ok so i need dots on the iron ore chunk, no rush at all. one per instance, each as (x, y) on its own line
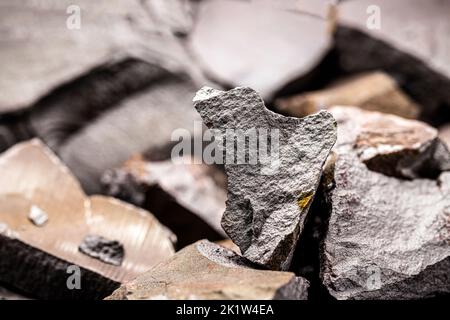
(207, 271)
(388, 238)
(108, 251)
(268, 195)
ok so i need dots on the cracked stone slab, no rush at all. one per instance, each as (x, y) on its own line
(388, 238)
(188, 197)
(36, 177)
(411, 43)
(207, 271)
(375, 91)
(250, 51)
(268, 201)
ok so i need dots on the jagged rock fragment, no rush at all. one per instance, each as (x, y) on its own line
(388, 238)
(406, 38)
(250, 51)
(38, 261)
(207, 271)
(268, 195)
(372, 91)
(188, 198)
(108, 251)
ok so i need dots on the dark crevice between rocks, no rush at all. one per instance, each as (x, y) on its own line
(359, 52)
(306, 260)
(68, 108)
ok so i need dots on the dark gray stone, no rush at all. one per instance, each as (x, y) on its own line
(268, 201)
(388, 238)
(108, 251)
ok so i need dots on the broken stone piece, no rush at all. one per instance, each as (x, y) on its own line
(268, 196)
(387, 238)
(108, 251)
(374, 91)
(250, 51)
(38, 216)
(188, 198)
(405, 38)
(36, 177)
(207, 271)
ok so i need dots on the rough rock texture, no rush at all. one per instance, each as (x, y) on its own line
(251, 51)
(188, 198)
(35, 177)
(142, 122)
(205, 270)
(375, 91)
(388, 238)
(108, 251)
(411, 44)
(269, 198)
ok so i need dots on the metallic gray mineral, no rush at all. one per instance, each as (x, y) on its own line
(108, 251)
(388, 237)
(270, 189)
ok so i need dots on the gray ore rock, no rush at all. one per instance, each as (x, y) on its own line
(388, 238)
(268, 199)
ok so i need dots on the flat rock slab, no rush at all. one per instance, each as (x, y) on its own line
(268, 200)
(388, 238)
(375, 91)
(35, 177)
(410, 42)
(207, 271)
(251, 51)
(188, 197)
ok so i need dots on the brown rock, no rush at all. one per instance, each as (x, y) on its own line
(35, 259)
(375, 91)
(188, 198)
(205, 270)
